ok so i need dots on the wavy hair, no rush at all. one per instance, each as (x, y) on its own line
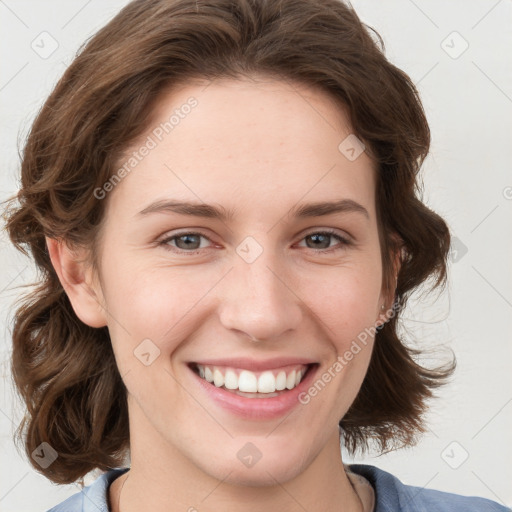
(64, 370)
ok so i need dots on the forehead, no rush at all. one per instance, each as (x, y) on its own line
(244, 142)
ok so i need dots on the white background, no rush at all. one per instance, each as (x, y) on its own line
(467, 179)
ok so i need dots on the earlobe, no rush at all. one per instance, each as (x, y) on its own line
(382, 317)
(77, 279)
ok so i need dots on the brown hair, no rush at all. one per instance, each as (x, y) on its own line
(65, 370)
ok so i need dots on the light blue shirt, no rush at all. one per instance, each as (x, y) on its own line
(391, 495)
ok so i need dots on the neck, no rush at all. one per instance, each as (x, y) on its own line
(163, 479)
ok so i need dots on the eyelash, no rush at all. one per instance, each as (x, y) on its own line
(344, 242)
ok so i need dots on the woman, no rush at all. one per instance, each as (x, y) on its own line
(221, 197)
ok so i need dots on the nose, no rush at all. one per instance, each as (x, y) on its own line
(259, 299)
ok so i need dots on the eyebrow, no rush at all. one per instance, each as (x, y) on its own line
(317, 209)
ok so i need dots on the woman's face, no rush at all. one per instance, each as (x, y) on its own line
(260, 153)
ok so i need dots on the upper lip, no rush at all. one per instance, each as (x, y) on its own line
(254, 365)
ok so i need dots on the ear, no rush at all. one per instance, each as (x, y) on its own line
(79, 282)
(387, 300)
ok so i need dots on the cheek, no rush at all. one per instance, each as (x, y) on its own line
(150, 301)
(347, 308)
(161, 304)
(347, 303)
(150, 315)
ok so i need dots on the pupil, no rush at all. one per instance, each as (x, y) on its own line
(317, 236)
(187, 237)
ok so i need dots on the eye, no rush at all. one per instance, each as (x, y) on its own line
(190, 242)
(321, 238)
(187, 242)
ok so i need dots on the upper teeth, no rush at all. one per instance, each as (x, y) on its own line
(252, 382)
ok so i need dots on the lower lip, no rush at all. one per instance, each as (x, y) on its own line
(256, 408)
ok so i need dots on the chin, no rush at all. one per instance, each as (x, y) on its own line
(262, 474)
(256, 463)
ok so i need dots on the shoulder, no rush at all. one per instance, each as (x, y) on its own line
(92, 498)
(392, 495)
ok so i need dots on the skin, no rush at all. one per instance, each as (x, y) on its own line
(258, 147)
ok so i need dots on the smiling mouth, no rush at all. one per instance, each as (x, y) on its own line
(249, 384)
